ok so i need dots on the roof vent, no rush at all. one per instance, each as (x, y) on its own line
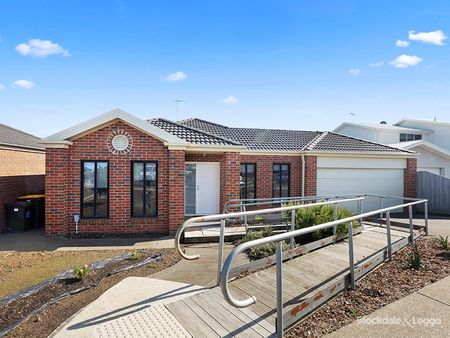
(383, 122)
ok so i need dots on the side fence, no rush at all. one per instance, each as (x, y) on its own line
(436, 189)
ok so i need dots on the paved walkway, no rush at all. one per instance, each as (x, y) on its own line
(425, 313)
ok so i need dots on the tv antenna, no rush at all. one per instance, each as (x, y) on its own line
(177, 103)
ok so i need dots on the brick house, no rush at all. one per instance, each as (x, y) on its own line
(122, 174)
(22, 167)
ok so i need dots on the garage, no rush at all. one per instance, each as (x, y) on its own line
(345, 175)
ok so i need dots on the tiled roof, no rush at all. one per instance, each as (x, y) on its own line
(14, 137)
(191, 135)
(290, 140)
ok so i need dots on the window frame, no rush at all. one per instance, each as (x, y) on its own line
(289, 179)
(95, 189)
(246, 183)
(144, 199)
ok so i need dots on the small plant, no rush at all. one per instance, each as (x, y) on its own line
(443, 243)
(264, 250)
(152, 266)
(354, 313)
(80, 273)
(259, 219)
(415, 258)
(136, 255)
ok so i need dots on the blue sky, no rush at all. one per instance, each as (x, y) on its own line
(273, 64)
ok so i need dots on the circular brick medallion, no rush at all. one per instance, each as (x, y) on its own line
(119, 142)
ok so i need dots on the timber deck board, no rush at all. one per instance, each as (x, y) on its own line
(207, 314)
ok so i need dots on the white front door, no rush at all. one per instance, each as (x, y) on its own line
(202, 188)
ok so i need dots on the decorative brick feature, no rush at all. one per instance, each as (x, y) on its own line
(56, 191)
(264, 173)
(15, 186)
(176, 189)
(410, 177)
(229, 177)
(310, 175)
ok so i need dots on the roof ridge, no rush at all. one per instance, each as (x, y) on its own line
(315, 140)
(371, 142)
(198, 119)
(195, 129)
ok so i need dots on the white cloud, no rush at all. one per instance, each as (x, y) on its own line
(2, 87)
(405, 61)
(230, 100)
(23, 84)
(402, 43)
(435, 38)
(354, 72)
(175, 77)
(41, 48)
(376, 64)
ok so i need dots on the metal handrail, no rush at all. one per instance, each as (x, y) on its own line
(280, 239)
(191, 222)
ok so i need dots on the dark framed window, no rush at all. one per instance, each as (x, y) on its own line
(144, 189)
(410, 137)
(94, 189)
(281, 180)
(248, 180)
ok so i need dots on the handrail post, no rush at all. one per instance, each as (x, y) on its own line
(426, 217)
(245, 218)
(292, 228)
(360, 206)
(381, 207)
(388, 233)
(411, 230)
(221, 245)
(335, 218)
(351, 258)
(280, 324)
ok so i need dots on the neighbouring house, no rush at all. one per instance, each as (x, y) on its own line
(123, 174)
(22, 167)
(430, 139)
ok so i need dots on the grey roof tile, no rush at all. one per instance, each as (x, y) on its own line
(14, 137)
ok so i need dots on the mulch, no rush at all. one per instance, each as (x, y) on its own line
(92, 286)
(390, 282)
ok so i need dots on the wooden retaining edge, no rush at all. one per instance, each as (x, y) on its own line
(267, 262)
(341, 283)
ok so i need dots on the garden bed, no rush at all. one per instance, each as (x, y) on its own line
(50, 305)
(390, 282)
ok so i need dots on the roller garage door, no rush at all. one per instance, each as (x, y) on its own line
(346, 175)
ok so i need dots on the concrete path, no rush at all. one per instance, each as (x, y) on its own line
(202, 271)
(437, 226)
(425, 313)
(132, 308)
(35, 240)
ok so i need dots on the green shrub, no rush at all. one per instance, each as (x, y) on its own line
(443, 243)
(264, 250)
(259, 219)
(136, 255)
(80, 273)
(415, 258)
(252, 235)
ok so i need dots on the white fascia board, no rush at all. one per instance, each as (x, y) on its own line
(429, 146)
(55, 143)
(271, 152)
(363, 154)
(116, 114)
(344, 124)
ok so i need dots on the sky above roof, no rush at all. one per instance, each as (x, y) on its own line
(268, 64)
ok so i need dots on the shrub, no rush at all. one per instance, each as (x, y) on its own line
(252, 235)
(259, 219)
(80, 273)
(443, 243)
(415, 258)
(264, 250)
(136, 255)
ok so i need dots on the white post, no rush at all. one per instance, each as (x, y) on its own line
(221, 245)
(292, 228)
(388, 233)
(279, 258)
(351, 258)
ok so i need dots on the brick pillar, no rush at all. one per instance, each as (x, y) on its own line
(176, 189)
(56, 170)
(409, 178)
(229, 177)
(310, 175)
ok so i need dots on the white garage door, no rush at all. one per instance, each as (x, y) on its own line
(348, 177)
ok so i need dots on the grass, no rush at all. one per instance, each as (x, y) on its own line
(19, 270)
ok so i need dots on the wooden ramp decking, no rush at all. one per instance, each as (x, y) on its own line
(306, 279)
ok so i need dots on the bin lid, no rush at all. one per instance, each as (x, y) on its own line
(27, 197)
(18, 204)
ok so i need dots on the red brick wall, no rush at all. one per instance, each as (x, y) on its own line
(229, 177)
(410, 177)
(176, 189)
(310, 175)
(264, 170)
(12, 187)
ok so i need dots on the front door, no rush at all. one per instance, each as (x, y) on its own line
(202, 188)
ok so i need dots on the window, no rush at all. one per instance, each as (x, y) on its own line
(144, 176)
(281, 178)
(248, 181)
(410, 137)
(94, 189)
